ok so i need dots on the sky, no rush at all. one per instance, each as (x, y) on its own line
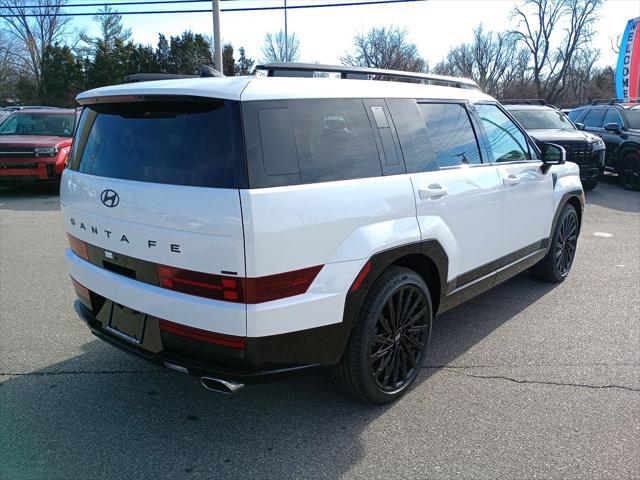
(326, 33)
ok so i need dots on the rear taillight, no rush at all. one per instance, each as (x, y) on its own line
(280, 285)
(239, 290)
(200, 284)
(202, 335)
(78, 247)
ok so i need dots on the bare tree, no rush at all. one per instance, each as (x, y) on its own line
(554, 31)
(8, 65)
(33, 34)
(580, 76)
(488, 59)
(275, 50)
(387, 48)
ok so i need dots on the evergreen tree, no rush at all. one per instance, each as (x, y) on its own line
(62, 76)
(228, 62)
(244, 65)
(162, 54)
(187, 53)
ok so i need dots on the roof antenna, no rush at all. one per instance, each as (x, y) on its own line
(207, 71)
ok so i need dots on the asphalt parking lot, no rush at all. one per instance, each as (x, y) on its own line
(526, 381)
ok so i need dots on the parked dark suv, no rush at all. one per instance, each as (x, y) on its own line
(617, 122)
(546, 124)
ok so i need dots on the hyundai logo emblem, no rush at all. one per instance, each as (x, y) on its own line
(109, 198)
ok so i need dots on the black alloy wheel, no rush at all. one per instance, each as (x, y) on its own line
(388, 342)
(630, 172)
(557, 263)
(567, 242)
(399, 339)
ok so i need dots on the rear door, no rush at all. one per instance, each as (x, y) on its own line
(158, 182)
(526, 190)
(458, 197)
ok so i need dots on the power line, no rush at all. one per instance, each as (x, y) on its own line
(107, 4)
(148, 2)
(155, 2)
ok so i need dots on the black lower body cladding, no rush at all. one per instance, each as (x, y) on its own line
(262, 359)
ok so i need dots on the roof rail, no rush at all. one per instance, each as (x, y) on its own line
(526, 101)
(307, 70)
(205, 71)
(613, 101)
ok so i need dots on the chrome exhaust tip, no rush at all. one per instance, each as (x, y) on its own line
(227, 387)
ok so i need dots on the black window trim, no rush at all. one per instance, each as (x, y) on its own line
(588, 111)
(533, 148)
(620, 116)
(484, 158)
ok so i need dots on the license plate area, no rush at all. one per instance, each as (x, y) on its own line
(127, 323)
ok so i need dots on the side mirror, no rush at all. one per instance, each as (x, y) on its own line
(580, 126)
(553, 154)
(612, 127)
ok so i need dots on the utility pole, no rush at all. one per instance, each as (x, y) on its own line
(286, 35)
(217, 48)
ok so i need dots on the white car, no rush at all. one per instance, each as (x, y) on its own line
(247, 228)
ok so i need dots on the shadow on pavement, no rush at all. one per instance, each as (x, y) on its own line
(143, 422)
(610, 194)
(35, 198)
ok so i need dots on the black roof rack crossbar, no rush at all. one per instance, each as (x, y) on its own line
(613, 101)
(205, 71)
(307, 69)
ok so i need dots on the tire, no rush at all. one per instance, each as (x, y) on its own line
(395, 348)
(629, 172)
(589, 184)
(556, 264)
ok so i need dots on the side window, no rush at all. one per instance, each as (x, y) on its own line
(506, 141)
(451, 134)
(334, 140)
(612, 116)
(575, 114)
(593, 119)
(278, 147)
(415, 143)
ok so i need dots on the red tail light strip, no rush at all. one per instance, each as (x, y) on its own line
(280, 285)
(226, 288)
(240, 290)
(78, 247)
(200, 284)
(202, 335)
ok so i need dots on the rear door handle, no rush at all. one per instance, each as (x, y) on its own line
(432, 192)
(511, 180)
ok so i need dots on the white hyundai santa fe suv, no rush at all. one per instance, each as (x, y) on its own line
(246, 228)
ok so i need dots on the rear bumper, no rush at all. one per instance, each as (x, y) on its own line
(185, 362)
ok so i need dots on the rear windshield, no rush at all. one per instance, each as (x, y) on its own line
(56, 125)
(197, 143)
(542, 119)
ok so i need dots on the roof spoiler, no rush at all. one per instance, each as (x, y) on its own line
(346, 72)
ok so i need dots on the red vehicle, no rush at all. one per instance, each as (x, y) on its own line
(34, 145)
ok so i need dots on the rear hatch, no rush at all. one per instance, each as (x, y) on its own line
(154, 184)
